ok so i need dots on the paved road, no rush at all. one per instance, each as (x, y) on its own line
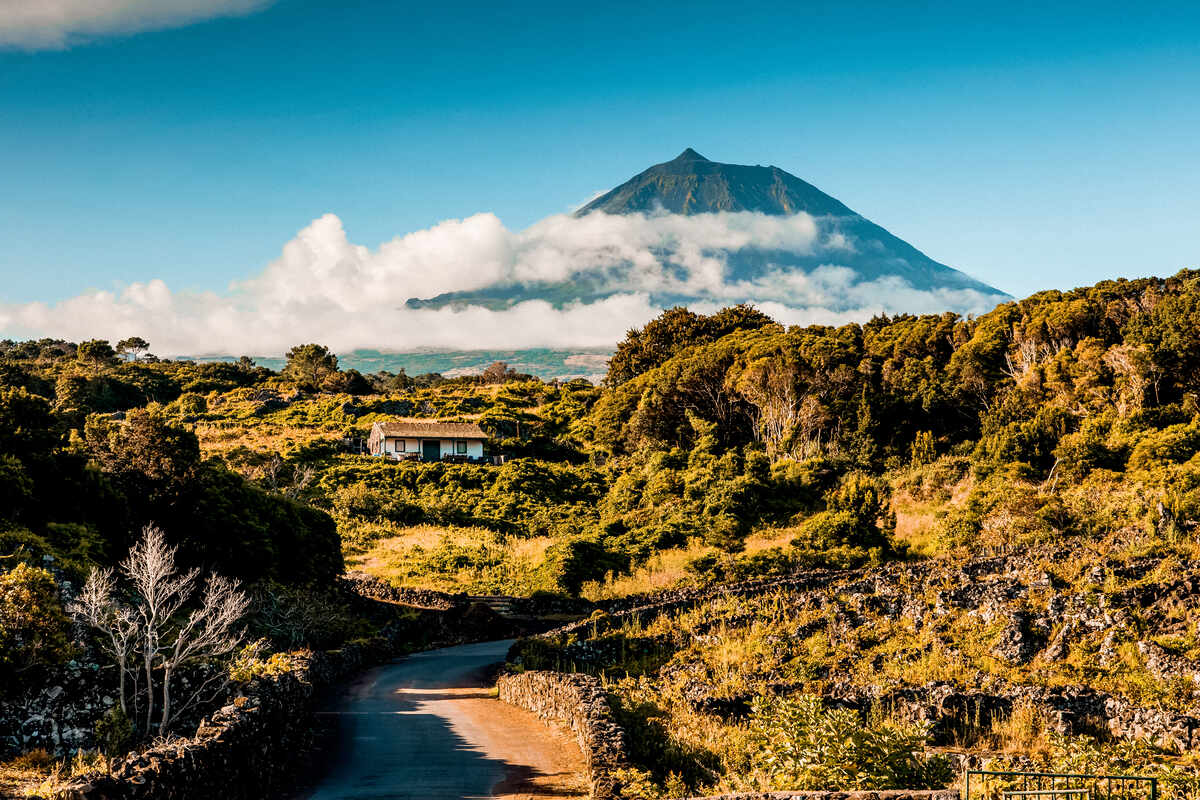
(427, 727)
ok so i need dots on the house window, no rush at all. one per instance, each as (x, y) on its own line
(460, 447)
(399, 445)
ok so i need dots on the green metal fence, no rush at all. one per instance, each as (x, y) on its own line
(980, 784)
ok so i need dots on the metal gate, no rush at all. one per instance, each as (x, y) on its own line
(980, 784)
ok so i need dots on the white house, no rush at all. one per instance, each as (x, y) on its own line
(426, 440)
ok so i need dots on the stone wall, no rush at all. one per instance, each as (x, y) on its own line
(995, 589)
(643, 608)
(57, 709)
(248, 749)
(243, 751)
(525, 608)
(880, 794)
(578, 701)
(369, 586)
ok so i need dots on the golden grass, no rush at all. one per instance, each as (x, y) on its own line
(664, 570)
(37, 773)
(218, 438)
(667, 569)
(915, 524)
(505, 564)
(1026, 731)
(916, 519)
(23, 774)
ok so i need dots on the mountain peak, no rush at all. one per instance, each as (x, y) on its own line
(692, 184)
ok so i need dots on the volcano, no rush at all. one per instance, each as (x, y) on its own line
(719, 234)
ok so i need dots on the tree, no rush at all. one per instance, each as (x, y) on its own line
(400, 381)
(133, 347)
(157, 633)
(27, 427)
(1134, 370)
(498, 372)
(148, 456)
(672, 331)
(310, 364)
(286, 479)
(97, 352)
(349, 382)
(770, 386)
(117, 623)
(71, 393)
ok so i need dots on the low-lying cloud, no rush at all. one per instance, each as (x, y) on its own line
(55, 24)
(326, 288)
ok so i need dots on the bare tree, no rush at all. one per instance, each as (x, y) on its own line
(1135, 369)
(156, 630)
(209, 632)
(97, 606)
(161, 593)
(284, 479)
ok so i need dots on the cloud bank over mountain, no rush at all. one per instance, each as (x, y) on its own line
(55, 24)
(619, 271)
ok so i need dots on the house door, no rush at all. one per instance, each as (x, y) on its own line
(431, 450)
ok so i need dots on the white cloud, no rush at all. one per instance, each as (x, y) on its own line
(325, 288)
(54, 24)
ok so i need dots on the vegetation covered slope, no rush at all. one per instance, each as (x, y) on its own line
(1064, 414)
(1063, 429)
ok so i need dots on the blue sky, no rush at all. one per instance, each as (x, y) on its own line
(1030, 144)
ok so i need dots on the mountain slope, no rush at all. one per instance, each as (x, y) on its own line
(707, 232)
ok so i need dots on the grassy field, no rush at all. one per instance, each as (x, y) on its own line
(448, 559)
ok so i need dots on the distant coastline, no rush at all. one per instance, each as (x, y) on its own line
(544, 363)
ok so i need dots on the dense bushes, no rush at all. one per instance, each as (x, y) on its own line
(80, 501)
(33, 625)
(1067, 413)
(855, 527)
(1047, 399)
(523, 496)
(797, 743)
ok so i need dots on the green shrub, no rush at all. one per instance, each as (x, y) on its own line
(114, 733)
(33, 625)
(251, 662)
(796, 744)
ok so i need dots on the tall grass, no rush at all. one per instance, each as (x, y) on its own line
(668, 569)
(453, 559)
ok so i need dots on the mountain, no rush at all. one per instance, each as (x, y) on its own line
(772, 236)
(691, 184)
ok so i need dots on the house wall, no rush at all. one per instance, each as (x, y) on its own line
(390, 445)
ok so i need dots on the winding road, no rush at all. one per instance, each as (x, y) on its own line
(429, 727)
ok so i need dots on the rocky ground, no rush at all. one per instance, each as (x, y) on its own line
(1077, 642)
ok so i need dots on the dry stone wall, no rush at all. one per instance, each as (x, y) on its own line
(888, 794)
(995, 589)
(243, 751)
(580, 702)
(249, 749)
